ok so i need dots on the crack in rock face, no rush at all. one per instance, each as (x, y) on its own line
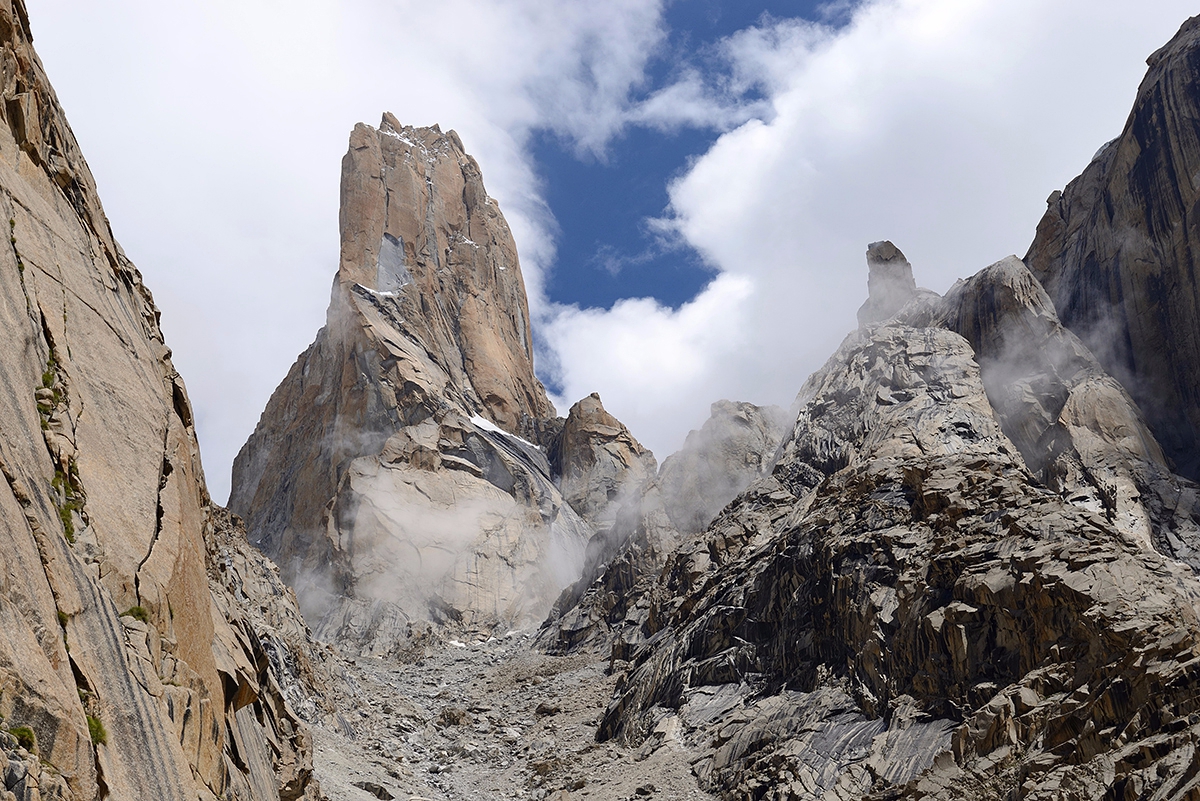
(962, 564)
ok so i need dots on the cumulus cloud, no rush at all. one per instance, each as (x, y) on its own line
(667, 353)
(939, 124)
(216, 130)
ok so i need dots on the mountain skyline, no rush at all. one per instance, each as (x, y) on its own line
(963, 563)
(780, 146)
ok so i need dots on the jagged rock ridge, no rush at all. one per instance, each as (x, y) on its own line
(903, 607)
(127, 669)
(970, 570)
(410, 469)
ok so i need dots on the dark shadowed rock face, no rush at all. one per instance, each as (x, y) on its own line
(138, 658)
(1117, 251)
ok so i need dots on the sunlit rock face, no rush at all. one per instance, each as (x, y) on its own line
(401, 474)
(418, 225)
(1117, 251)
(127, 668)
(598, 461)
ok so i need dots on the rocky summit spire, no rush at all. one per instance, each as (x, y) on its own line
(418, 226)
(890, 283)
(394, 474)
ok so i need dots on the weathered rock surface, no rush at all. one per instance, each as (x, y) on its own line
(1079, 431)
(1117, 249)
(608, 607)
(417, 223)
(124, 671)
(963, 567)
(394, 474)
(262, 610)
(901, 609)
(599, 462)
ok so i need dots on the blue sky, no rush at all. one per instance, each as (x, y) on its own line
(605, 248)
(606, 251)
(767, 150)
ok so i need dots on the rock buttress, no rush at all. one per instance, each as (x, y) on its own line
(112, 661)
(1117, 251)
(937, 584)
(901, 609)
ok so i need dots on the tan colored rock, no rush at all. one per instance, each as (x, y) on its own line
(416, 221)
(388, 474)
(600, 464)
(103, 506)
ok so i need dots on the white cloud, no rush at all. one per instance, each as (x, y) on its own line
(659, 354)
(691, 101)
(939, 124)
(216, 130)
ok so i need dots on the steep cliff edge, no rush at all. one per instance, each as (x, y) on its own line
(1117, 251)
(408, 469)
(124, 672)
